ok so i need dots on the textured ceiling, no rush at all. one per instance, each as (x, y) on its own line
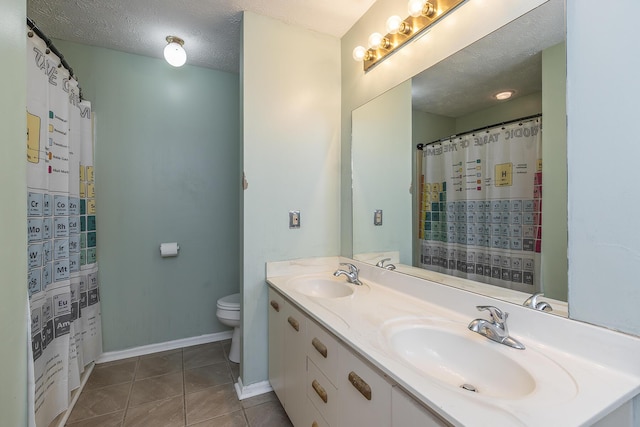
(507, 59)
(210, 28)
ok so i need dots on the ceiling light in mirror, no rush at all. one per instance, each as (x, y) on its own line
(504, 95)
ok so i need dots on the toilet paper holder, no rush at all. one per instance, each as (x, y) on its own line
(169, 249)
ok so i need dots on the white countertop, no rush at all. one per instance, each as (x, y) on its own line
(560, 308)
(581, 372)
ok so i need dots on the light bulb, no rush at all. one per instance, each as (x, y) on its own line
(415, 7)
(396, 25)
(374, 40)
(393, 24)
(359, 53)
(174, 53)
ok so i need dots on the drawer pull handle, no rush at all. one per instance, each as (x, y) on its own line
(320, 390)
(360, 385)
(314, 424)
(322, 349)
(275, 305)
(294, 323)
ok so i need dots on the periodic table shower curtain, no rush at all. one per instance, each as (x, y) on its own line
(480, 205)
(64, 300)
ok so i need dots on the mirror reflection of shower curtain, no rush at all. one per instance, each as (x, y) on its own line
(62, 278)
(480, 205)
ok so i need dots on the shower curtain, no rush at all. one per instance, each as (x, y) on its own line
(480, 205)
(64, 299)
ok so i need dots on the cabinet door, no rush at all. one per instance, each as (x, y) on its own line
(406, 412)
(276, 343)
(365, 395)
(295, 364)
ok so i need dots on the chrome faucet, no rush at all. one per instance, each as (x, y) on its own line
(352, 274)
(388, 266)
(532, 302)
(496, 328)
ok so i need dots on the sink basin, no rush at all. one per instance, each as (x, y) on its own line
(322, 286)
(459, 359)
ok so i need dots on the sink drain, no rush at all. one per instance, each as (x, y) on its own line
(469, 387)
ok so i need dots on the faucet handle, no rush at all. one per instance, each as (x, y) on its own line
(382, 261)
(496, 314)
(533, 302)
(352, 267)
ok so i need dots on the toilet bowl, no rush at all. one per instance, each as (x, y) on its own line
(228, 314)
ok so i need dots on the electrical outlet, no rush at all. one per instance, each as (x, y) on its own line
(294, 219)
(377, 217)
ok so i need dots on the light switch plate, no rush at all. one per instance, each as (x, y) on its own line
(377, 217)
(294, 219)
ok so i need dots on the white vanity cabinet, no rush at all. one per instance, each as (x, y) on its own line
(405, 411)
(287, 358)
(295, 364)
(323, 395)
(321, 382)
(276, 343)
(322, 372)
(365, 394)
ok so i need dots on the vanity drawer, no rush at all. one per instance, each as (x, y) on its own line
(322, 349)
(314, 419)
(322, 394)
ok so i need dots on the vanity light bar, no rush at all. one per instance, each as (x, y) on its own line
(409, 28)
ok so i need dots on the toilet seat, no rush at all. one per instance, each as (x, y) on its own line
(229, 303)
(228, 313)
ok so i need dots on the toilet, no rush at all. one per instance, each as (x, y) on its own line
(228, 313)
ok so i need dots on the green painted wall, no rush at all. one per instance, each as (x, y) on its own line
(381, 172)
(13, 233)
(167, 155)
(291, 143)
(554, 176)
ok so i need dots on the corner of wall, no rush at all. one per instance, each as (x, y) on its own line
(291, 157)
(13, 192)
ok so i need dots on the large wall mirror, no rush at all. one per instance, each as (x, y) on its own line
(455, 96)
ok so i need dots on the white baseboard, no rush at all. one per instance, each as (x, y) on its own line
(110, 356)
(245, 392)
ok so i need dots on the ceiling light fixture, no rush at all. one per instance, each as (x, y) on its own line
(504, 95)
(422, 14)
(174, 53)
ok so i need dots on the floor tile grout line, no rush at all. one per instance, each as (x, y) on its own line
(184, 389)
(82, 420)
(133, 381)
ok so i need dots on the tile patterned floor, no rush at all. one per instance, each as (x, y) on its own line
(192, 386)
